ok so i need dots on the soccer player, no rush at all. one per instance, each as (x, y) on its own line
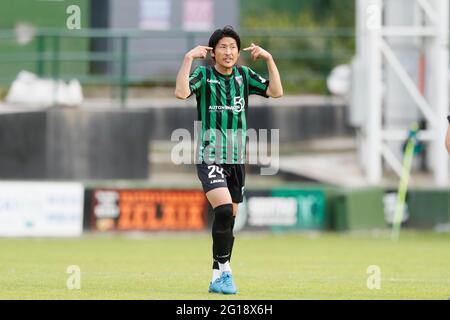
(222, 94)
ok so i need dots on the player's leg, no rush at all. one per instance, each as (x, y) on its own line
(222, 233)
(216, 270)
(236, 181)
(235, 175)
(216, 198)
(235, 209)
(215, 186)
(215, 266)
(235, 184)
(220, 200)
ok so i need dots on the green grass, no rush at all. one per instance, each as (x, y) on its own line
(285, 266)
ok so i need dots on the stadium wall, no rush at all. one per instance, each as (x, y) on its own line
(429, 208)
(106, 143)
(74, 144)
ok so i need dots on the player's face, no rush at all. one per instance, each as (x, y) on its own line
(226, 52)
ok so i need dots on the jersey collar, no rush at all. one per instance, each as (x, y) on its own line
(226, 76)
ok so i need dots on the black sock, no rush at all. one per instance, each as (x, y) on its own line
(222, 233)
(215, 262)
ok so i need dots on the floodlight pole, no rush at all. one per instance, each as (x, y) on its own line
(439, 88)
(375, 55)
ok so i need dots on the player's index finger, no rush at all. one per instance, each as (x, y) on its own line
(208, 48)
(248, 48)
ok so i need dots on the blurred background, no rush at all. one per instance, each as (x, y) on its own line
(87, 112)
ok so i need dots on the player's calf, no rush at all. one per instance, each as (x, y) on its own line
(222, 232)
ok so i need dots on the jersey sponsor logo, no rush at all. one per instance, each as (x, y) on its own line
(216, 181)
(213, 81)
(239, 80)
(239, 105)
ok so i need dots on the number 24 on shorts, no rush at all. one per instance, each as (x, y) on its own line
(217, 169)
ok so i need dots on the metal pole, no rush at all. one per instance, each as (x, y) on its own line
(373, 13)
(439, 89)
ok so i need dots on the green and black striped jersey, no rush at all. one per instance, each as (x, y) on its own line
(222, 105)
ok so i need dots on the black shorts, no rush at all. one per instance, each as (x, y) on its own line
(217, 175)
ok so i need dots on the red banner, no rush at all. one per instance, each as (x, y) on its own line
(149, 210)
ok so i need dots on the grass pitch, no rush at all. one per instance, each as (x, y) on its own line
(265, 266)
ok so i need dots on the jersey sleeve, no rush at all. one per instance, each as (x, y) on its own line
(196, 81)
(257, 84)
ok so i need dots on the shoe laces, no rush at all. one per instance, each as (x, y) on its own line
(227, 279)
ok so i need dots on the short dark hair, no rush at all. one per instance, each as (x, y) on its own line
(226, 31)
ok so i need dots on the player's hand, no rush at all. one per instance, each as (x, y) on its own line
(198, 52)
(258, 52)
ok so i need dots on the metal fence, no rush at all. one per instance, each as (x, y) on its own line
(105, 57)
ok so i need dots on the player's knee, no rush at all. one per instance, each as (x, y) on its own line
(223, 218)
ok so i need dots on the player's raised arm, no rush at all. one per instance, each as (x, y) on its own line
(182, 89)
(275, 89)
